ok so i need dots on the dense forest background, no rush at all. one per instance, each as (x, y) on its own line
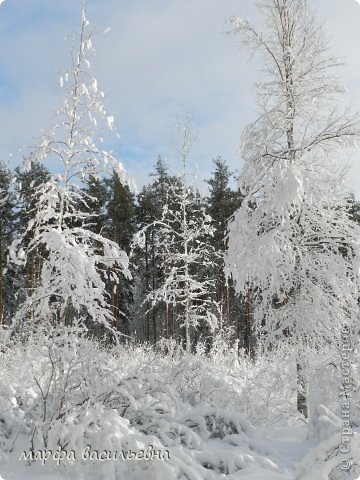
(119, 214)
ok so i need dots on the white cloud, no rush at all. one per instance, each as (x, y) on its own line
(160, 58)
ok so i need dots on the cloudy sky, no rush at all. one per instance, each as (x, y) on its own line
(161, 58)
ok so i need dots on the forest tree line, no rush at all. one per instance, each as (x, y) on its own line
(119, 214)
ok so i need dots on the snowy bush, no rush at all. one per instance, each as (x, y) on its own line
(200, 408)
(206, 410)
(327, 462)
(133, 398)
(326, 397)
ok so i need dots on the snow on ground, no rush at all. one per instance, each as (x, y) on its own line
(290, 442)
(232, 454)
(218, 416)
(17, 471)
(287, 444)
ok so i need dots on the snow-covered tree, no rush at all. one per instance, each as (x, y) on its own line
(149, 267)
(292, 240)
(77, 260)
(181, 242)
(6, 220)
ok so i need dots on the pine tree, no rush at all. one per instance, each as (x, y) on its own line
(147, 213)
(221, 205)
(120, 228)
(6, 225)
(96, 204)
(24, 278)
(150, 269)
(27, 179)
(161, 183)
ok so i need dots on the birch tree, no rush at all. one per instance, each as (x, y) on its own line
(292, 240)
(77, 259)
(182, 244)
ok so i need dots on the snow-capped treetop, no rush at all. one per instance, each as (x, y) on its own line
(74, 143)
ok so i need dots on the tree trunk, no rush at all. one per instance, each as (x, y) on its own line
(302, 406)
(248, 344)
(153, 289)
(166, 321)
(166, 332)
(1, 272)
(223, 300)
(62, 379)
(147, 315)
(114, 304)
(31, 274)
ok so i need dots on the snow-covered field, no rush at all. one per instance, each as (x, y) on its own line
(192, 416)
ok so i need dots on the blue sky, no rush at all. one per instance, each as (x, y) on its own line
(161, 58)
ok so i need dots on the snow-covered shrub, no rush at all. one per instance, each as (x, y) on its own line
(324, 401)
(17, 394)
(72, 393)
(323, 423)
(327, 462)
(355, 377)
(327, 392)
(262, 391)
(7, 404)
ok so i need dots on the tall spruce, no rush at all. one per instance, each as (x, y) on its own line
(96, 203)
(25, 277)
(150, 268)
